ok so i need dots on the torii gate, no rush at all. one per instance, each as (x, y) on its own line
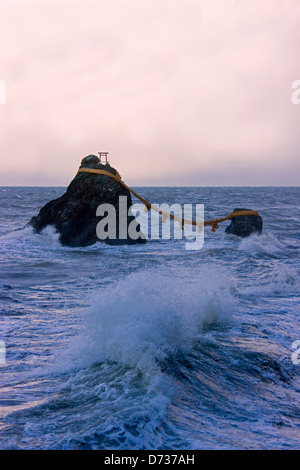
(103, 154)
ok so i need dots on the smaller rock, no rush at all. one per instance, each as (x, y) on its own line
(244, 225)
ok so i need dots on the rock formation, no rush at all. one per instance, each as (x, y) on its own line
(244, 225)
(74, 213)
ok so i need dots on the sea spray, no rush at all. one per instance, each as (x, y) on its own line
(149, 316)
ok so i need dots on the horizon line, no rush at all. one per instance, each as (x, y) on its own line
(170, 186)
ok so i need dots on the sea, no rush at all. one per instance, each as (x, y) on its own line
(152, 346)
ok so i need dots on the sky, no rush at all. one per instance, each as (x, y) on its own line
(179, 92)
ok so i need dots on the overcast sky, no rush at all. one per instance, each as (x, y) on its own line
(179, 92)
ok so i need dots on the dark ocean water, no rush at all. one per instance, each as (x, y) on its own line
(152, 346)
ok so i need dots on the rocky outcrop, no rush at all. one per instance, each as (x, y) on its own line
(74, 213)
(244, 225)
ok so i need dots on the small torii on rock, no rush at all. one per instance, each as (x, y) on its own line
(104, 155)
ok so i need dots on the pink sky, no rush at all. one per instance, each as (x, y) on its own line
(179, 92)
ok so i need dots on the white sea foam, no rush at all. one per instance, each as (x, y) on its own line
(49, 237)
(149, 316)
(262, 243)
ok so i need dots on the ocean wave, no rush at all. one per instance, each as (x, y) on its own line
(281, 280)
(265, 243)
(149, 316)
(26, 236)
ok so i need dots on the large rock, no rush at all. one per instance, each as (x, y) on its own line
(74, 213)
(244, 225)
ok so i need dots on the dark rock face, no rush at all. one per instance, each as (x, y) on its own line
(74, 213)
(244, 225)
